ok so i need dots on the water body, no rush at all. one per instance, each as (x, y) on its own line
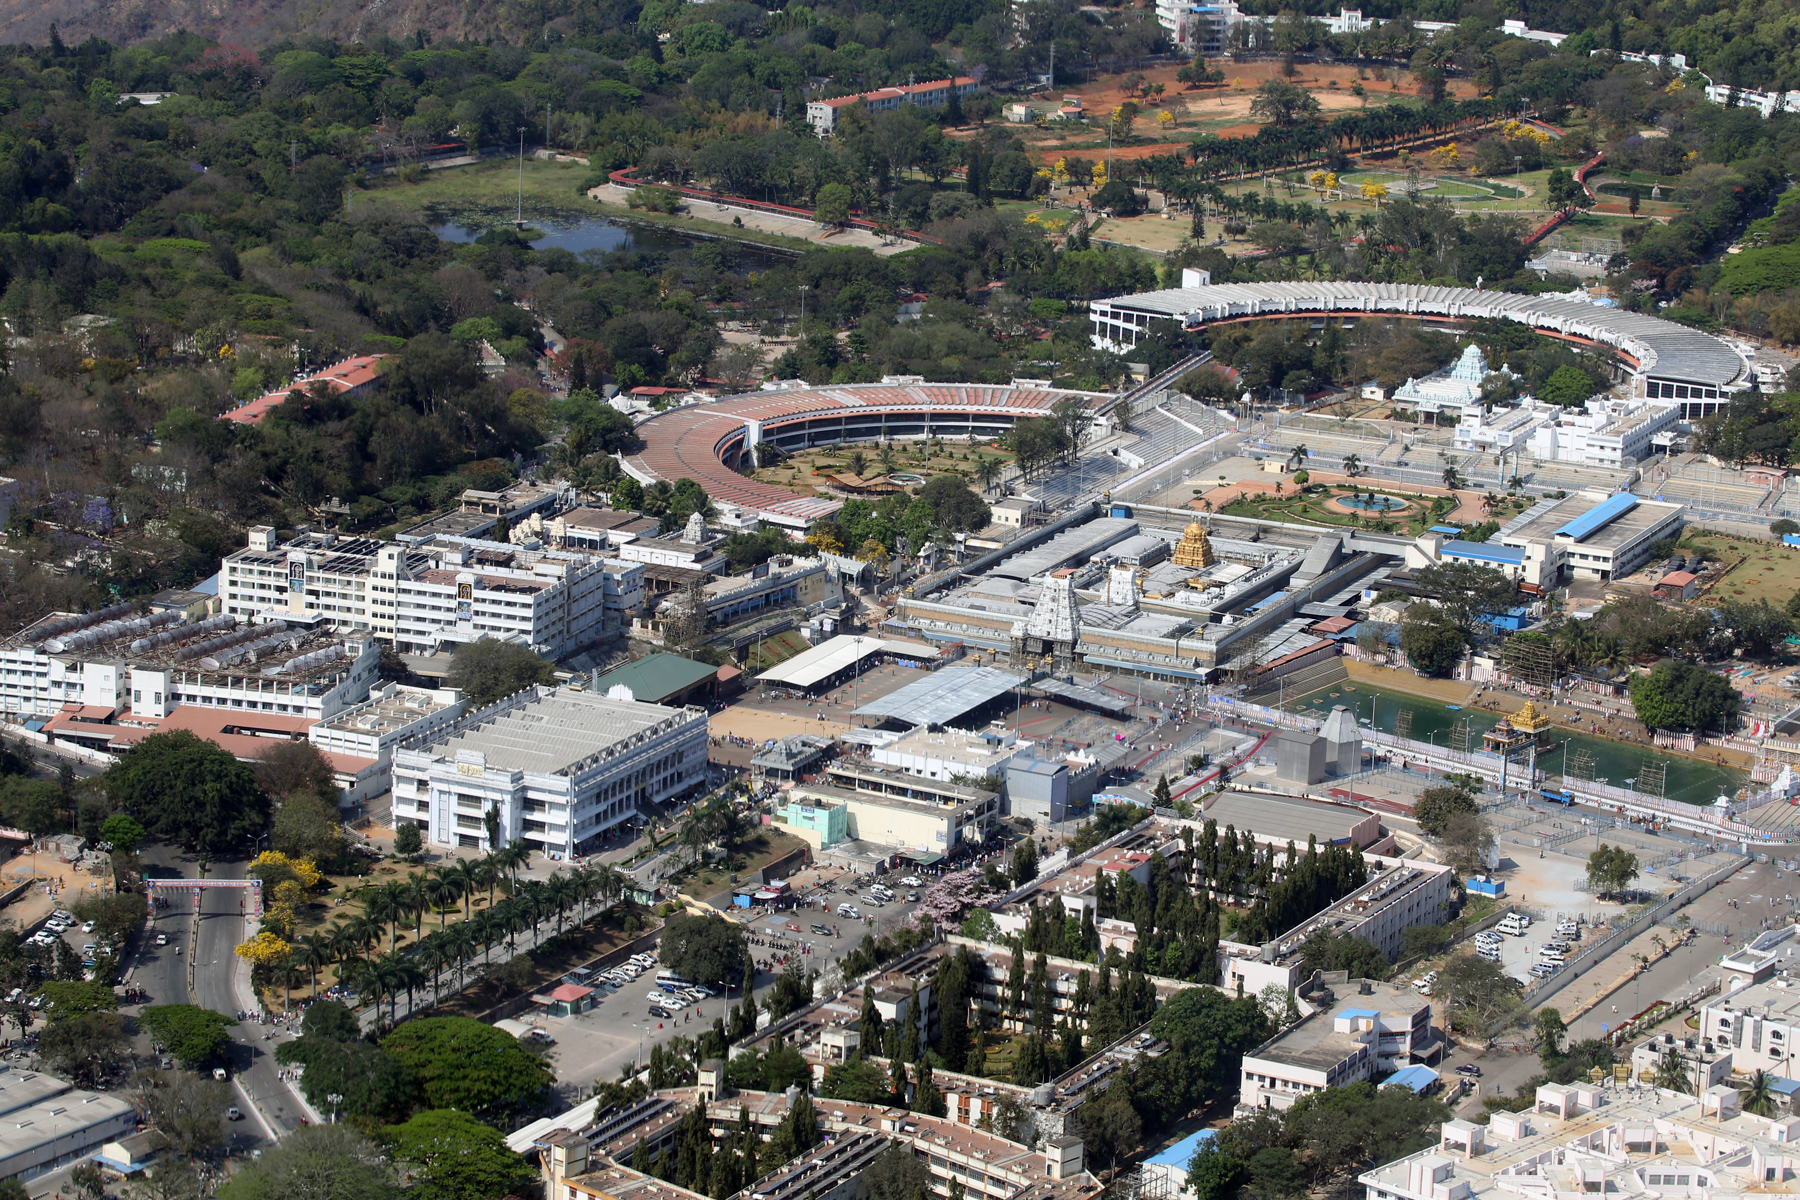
(1369, 503)
(600, 233)
(1689, 779)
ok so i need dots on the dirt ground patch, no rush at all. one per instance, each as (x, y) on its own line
(759, 725)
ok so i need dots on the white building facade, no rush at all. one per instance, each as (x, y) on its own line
(556, 768)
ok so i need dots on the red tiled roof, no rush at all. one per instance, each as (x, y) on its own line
(340, 377)
(687, 442)
(1677, 579)
(936, 85)
(568, 991)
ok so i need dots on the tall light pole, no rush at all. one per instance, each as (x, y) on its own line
(334, 1100)
(1519, 192)
(855, 673)
(519, 219)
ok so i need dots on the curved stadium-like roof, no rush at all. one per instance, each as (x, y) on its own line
(1655, 347)
(704, 442)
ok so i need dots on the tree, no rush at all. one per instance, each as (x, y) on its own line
(1783, 526)
(288, 769)
(1753, 629)
(1467, 843)
(88, 1046)
(188, 791)
(1109, 1123)
(1478, 992)
(124, 834)
(705, 949)
(1470, 595)
(1550, 1031)
(490, 670)
(954, 505)
(192, 1034)
(315, 1162)
(308, 826)
(452, 1156)
(1024, 862)
(1679, 695)
(463, 1064)
(407, 840)
(832, 205)
(1760, 1096)
(368, 1082)
(1568, 386)
(1213, 1174)
(1611, 869)
(896, 1174)
(857, 1080)
(1431, 639)
(1437, 805)
(1279, 102)
(190, 1111)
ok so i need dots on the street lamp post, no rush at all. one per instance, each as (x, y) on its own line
(519, 218)
(856, 674)
(1518, 192)
(334, 1100)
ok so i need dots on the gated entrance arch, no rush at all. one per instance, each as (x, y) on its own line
(199, 885)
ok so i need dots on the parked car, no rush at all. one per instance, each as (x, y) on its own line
(162, 939)
(1469, 1069)
(912, 897)
(913, 881)
(233, 1114)
(657, 1010)
(821, 930)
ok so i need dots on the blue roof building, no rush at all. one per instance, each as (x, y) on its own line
(1419, 1079)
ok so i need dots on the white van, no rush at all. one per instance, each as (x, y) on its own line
(881, 893)
(1553, 957)
(1514, 924)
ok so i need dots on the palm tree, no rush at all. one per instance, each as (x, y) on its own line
(417, 902)
(1489, 503)
(434, 956)
(468, 877)
(859, 463)
(442, 889)
(1452, 479)
(406, 974)
(1352, 464)
(312, 952)
(1759, 1095)
(459, 942)
(1297, 456)
(488, 872)
(884, 454)
(1671, 1073)
(987, 472)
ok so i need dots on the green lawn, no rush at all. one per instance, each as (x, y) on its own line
(491, 190)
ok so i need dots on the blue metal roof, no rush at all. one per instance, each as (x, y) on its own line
(1599, 516)
(1484, 552)
(1416, 1078)
(1182, 1152)
(1266, 601)
(1358, 1012)
(1449, 529)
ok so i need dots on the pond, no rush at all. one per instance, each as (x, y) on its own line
(1372, 503)
(609, 236)
(1688, 779)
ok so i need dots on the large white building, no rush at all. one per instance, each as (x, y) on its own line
(113, 660)
(45, 1125)
(1369, 1030)
(440, 592)
(1607, 431)
(1643, 1144)
(559, 768)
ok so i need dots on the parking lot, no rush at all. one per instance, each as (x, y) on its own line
(620, 1029)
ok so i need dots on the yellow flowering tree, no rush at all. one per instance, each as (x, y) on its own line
(304, 869)
(825, 541)
(1375, 193)
(264, 950)
(1059, 173)
(1165, 118)
(1099, 175)
(1444, 158)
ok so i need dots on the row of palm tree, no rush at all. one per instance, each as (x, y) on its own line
(351, 943)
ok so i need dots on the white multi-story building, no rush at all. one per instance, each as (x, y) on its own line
(1643, 1144)
(368, 732)
(1369, 1031)
(558, 768)
(109, 661)
(443, 591)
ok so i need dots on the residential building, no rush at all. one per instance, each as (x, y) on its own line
(98, 664)
(1400, 893)
(435, 593)
(351, 377)
(1642, 1144)
(1704, 1063)
(557, 767)
(368, 732)
(783, 582)
(950, 753)
(1364, 1030)
(823, 114)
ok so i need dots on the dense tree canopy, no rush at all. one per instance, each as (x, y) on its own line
(189, 791)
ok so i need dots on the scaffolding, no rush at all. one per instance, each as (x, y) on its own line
(1652, 778)
(1580, 765)
(1403, 723)
(1460, 735)
(1532, 661)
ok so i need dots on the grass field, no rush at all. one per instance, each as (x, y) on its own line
(1763, 572)
(491, 190)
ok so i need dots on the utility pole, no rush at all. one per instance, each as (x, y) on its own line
(519, 220)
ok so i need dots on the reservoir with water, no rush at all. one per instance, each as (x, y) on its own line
(1689, 780)
(609, 236)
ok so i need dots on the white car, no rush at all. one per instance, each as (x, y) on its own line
(87, 927)
(64, 915)
(913, 881)
(162, 939)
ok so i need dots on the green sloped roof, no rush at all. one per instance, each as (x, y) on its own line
(650, 679)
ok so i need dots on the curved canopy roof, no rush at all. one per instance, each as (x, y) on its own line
(1660, 348)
